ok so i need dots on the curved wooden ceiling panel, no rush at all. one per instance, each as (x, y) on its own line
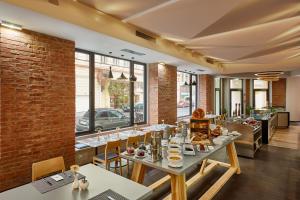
(235, 32)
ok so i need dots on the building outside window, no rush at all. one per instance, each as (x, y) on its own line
(218, 96)
(236, 97)
(82, 61)
(116, 101)
(186, 93)
(260, 93)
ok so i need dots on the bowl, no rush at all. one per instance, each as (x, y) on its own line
(175, 160)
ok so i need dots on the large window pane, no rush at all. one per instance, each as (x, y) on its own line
(260, 99)
(236, 101)
(82, 91)
(260, 84)
(139, 95)
(183, 94)
(112, 98)
(236, 84)
(194, 92)
(218, 98)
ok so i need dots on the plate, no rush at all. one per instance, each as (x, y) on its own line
(140, 157)
(129, 154)
(175, 165)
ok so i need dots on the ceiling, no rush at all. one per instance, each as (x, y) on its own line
(242, 35)
(91, 40)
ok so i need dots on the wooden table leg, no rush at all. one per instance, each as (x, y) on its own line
(138, 172)
(178, 187)
(232, 155)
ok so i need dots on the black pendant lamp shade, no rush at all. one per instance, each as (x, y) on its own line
(110, 74)
(132, 78)
(185, 83)
(194, 83)
(122, 77)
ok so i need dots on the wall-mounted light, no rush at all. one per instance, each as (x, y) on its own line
(11, 25)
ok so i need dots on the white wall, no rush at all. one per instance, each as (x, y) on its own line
(293, 98)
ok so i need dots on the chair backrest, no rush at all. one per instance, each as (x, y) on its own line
(46, 167)
(133, 141)
(147, 137)
(113, 147)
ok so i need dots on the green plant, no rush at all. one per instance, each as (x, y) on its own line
(118, 91)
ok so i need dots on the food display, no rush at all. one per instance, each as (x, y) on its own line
(198, 114)
(199, 129)
(140, 153)
(252, 122)
(216, 132)
(130, 150)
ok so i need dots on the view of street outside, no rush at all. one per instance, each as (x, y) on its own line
(112, 95)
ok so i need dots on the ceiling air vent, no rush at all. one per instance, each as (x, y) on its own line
(200, 70)
(144, 36)
(133, 52)
(209, 60)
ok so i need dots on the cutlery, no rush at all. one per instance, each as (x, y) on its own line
(110, 198)
(48, 182)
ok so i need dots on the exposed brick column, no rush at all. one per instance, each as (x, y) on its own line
(162, 93)
(279, 92)
(37, 103)
(206, 92)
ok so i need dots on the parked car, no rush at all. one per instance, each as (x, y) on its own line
(139, 107)
(183, 104)
(105, 119)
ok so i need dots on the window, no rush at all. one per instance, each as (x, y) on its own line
(82, 66)
(186, 93)
(117, 101)
(139, 93)
(236, 97)
(218, 96)
(261, 93)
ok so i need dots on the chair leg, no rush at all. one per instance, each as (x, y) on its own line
(121, 171)
(116, 164)
(128, 168)
(107, 165)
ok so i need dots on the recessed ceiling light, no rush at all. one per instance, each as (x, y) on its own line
(11, 25)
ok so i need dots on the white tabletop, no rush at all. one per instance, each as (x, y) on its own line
(100, 181)
(102, 140)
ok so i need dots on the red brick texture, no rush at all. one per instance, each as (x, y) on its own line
(279, 93)
(37, 103)
(162, 94)
(206, 92)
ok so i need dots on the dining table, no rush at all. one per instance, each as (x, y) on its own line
(100, 181)
(177, 176)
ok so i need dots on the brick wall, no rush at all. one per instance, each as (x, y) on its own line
(206, 92)
(162, 93)
(279, 93)
(37, 103)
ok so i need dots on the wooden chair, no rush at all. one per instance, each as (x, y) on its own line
(147, 137)
(111, 154)
(47, 167)
(132, 141)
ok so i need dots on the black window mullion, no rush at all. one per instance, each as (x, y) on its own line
(191, 95)
(92, 93)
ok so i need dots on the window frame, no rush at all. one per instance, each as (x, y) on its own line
(230, 97)
(92, 90)
(220, 97)
(260, 89)
(190, 93)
